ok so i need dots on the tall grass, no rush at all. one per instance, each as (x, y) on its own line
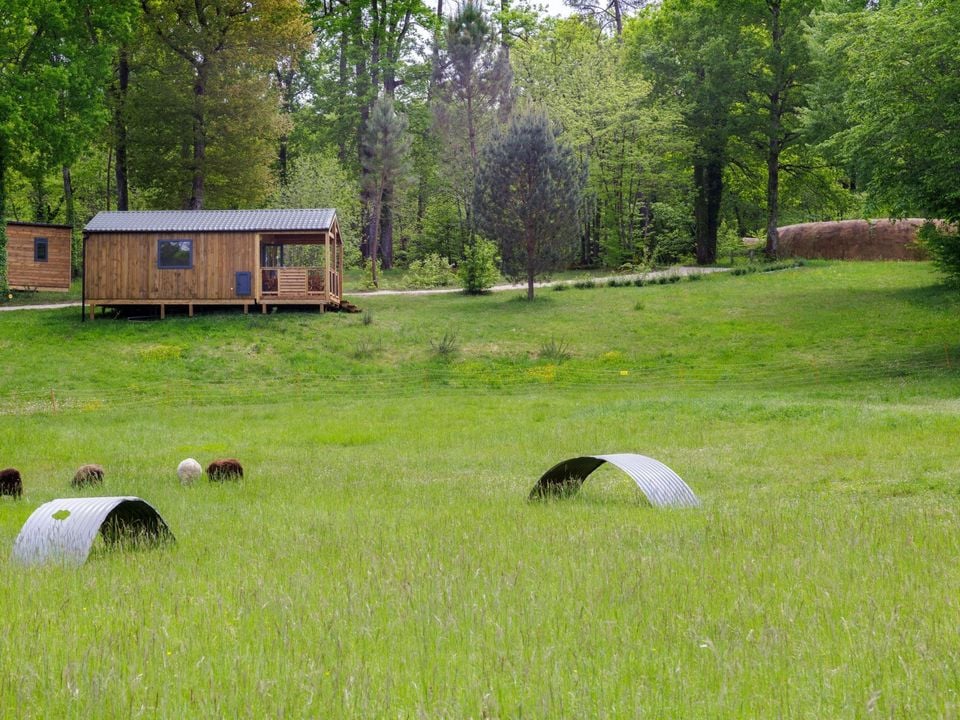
(380, 559)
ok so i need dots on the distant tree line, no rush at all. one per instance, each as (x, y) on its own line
(689, 123)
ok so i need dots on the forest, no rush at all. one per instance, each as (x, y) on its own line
(692, 123)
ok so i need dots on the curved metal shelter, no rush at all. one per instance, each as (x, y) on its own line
(662, 486)
(64, 530)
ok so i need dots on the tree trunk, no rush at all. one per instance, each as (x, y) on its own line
(4, 287)
(531, 264)
(342, 77)
(108, 193)
(198, 167)
(773, 196)
(71, 221)
(471, 130)
(120, 122)
(774, 130)
(68, 195)
(708, 180)
(375, 232)
(386, 225)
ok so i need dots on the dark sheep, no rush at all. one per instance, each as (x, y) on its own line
(88, 475)
(10, 482)
(227, 469)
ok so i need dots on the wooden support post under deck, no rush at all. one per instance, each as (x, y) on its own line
(93, 306)
(246, 308)
(190, 310)
(163, 311)
(263, 308)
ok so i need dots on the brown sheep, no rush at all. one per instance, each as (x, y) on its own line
(10, 482)
(87, 475)
(227, 469)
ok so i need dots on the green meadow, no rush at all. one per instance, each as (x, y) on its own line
(381, 559)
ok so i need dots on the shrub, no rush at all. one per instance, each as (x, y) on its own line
(365, 349)
(447, 346)
(478, 271)
(432, 271)
(555, 351)
(943, 244)
(367, 282)
(443, 231)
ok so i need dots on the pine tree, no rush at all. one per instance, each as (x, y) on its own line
(527, 196)
(386, 164)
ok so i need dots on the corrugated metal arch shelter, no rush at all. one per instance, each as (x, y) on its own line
(64, 530)
(662, 486)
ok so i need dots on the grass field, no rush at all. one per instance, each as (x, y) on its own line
(381, 559)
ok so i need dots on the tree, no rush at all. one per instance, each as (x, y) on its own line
(609, 14)
(472, 81)
(902, 106)
(527, 197)
(690, 49)
(902, 110)
(629, 142)
(209, 66)
(780, 79)
(472, 62)
(386, 161)
(366, 48)
(53, 63)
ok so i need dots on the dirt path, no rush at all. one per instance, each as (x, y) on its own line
(653, 275)
(445, 291)
(47, 306)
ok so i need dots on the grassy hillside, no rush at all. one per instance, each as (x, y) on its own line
(380, 559)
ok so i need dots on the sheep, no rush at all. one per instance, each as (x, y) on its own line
(87, 475)
(10, 482)
(188, 471)
(226, 469)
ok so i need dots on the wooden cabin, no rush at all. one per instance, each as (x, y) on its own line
(213, 257)
(38, 256)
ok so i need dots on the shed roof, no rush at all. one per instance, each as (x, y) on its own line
(211, 220)
(19, 223)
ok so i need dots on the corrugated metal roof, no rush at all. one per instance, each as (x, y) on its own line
(63, 530)
(212, 220)
(662, 486)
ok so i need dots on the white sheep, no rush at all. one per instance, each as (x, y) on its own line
(188, 471)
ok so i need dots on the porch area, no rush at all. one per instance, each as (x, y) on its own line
(300, 269)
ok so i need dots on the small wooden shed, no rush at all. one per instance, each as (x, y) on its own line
(213, 257)
(38, 256)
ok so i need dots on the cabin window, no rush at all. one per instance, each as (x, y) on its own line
(174, 254)
(40, 249)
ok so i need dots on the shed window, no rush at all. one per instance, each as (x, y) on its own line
(40, 249)
(174, 254)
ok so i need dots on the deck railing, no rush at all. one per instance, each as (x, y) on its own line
(292, 282)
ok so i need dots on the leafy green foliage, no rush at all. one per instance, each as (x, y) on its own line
(628, 143)
(443, 229)
(319, 181)
(943, 244)
(429, 272)
(204, 118)
(478, 271)
(901, 103)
